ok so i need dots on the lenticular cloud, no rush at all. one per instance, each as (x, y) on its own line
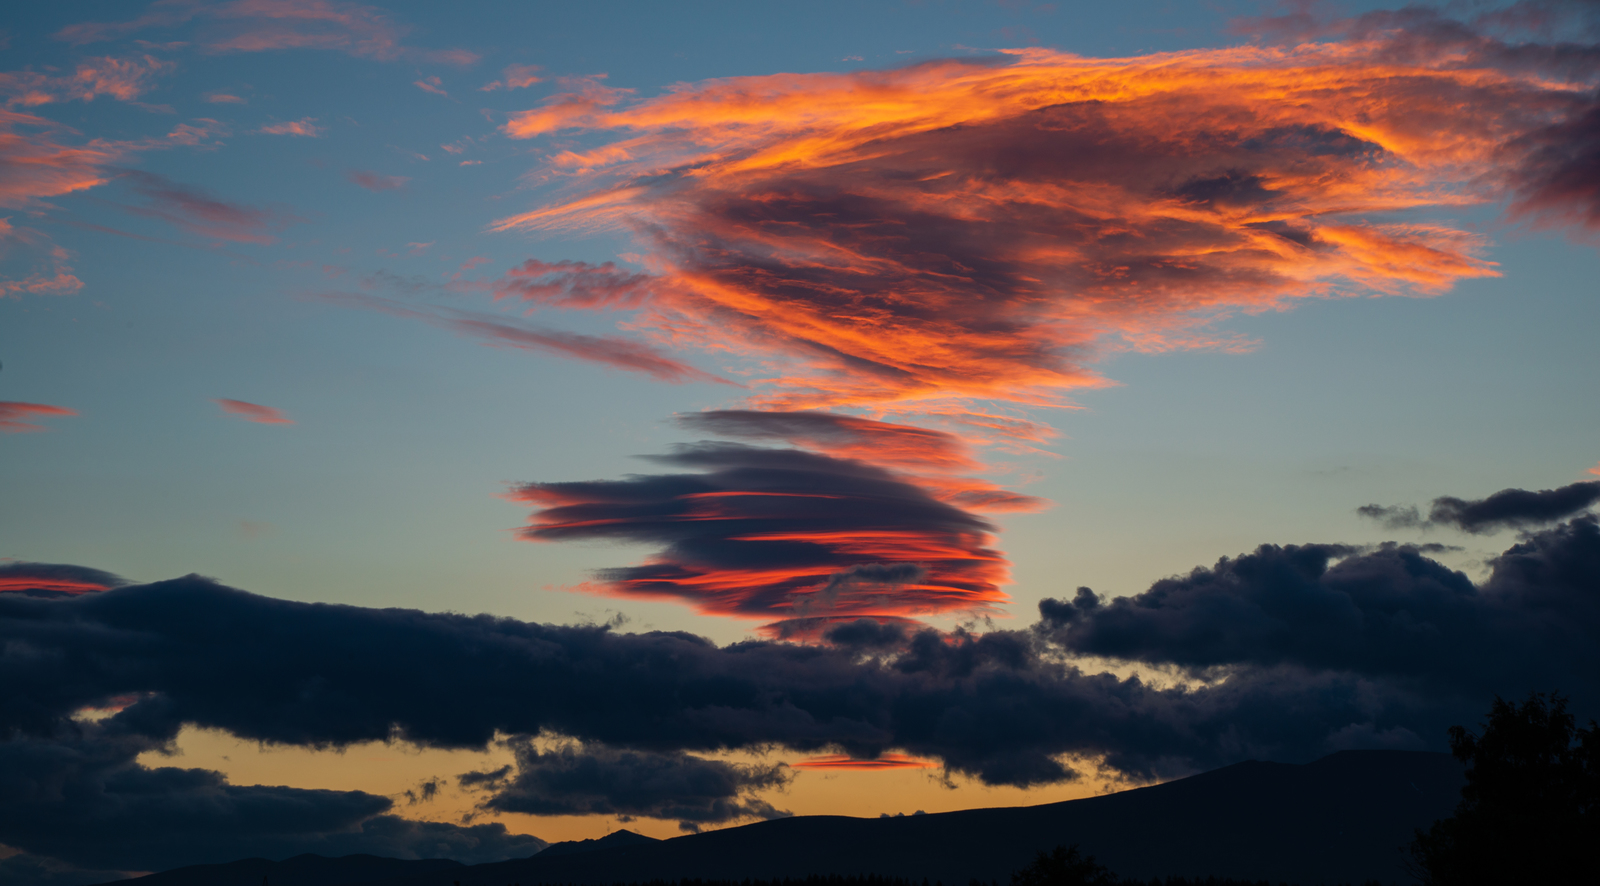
(983, 228)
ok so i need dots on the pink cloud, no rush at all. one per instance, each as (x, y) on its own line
(35, 165)
(122, 79)
(262, 25)
(372, 181)
(302, 127)
(223, 98)
(13, 416)
(1595, 470)
(431, 84)
(254, 412)
(415, 249)
(47, 271)
(514, 77)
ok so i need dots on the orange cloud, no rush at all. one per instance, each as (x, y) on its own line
(514, 77)
(14, 415)
(260, 25)
(305, 126)
(225, 98)
(431, 84)
(973, 229)
(253, 412)
(1595, 470)
(845, 761)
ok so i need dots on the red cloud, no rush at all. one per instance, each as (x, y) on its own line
(262, 415)
(845, 761)
(54, 579)
(969, 229)
(200, 213)
(13, 416)
(305, 126)
(372, 181)
(514, 77)
(498, 331)
(259, 25)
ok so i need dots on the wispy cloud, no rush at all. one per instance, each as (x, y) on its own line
(225, 98)
(514, 77)
(373, 181)
(305, 126)
(262, 25)
(431, 84)
(124, 79)
(198, 212)
(15, 417)
(501, 331)
(254, 412)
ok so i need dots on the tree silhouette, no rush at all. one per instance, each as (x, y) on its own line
(1063, 867)
(1530, 810)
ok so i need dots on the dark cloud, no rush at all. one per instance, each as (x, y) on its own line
(595, 780)
(1388, 614)
(1297, 651)
(54, 579)
(1506, 509)
(846, 436)
(779, 533)
(77, 795)
(1514, 508)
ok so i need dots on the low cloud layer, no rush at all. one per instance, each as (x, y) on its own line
(1506, 509)
(578, 780)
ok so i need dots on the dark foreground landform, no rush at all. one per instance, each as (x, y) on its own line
(1346, 818)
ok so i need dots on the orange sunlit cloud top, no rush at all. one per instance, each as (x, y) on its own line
(844, 761)
(985, 228)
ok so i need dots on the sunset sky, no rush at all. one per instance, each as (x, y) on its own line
(774, 379)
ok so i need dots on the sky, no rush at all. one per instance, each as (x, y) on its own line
(439, 433)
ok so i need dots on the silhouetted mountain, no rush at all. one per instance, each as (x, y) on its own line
(623, 837)
(302, 870)
(1344, 818)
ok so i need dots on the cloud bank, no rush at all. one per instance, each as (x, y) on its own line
(1293, 652)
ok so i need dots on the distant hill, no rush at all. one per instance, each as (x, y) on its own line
(302, 870)
(612, 840)
(1342, 819)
